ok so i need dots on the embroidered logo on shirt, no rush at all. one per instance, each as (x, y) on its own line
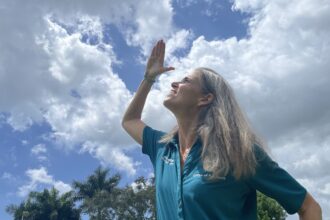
(167, 160)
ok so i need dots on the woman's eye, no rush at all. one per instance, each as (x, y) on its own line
(184, 80)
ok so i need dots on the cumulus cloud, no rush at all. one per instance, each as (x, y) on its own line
(57, 51)
(141, 22)
(179, 40)
(40, 177)
(74, 90)
(92, 117)
(40, 151)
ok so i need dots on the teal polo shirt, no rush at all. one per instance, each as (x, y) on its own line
(191, 196)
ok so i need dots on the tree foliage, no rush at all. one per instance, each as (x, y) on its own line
(269, 209)
(137, 202)
(46, 205)
(98, 194)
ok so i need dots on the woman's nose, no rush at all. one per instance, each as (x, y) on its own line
(174, 84)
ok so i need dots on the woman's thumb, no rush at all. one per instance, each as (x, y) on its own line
(168, 68)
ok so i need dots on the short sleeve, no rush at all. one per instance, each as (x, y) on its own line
(275, 182)
(150, 143)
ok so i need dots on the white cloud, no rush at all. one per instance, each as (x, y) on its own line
(40, 178)
(26, 189)
(153, 21)
(326, 189)
(39, 149)
(8, 176)
(179, 40)
(188, 3)
(249, 5)
(209, 8)
(62, 187)
(111, 156)
(141, 22)
(57, 51)
(19, 120)
(92, 118)
(24, 142)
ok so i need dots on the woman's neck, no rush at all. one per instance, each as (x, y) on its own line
(187, 132)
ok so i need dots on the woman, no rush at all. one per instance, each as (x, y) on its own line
(211, 164)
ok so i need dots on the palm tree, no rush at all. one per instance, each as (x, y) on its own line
(46, 205)
(98, 194)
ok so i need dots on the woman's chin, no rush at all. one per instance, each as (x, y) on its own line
(167, 102)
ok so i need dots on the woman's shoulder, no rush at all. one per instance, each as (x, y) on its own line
(260, 152)
(152, 131)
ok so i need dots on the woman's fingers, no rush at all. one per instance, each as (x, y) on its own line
(155, 63)
(169, 68)
(153, 52)
(166, 69)
(162, 52)
(158, 48)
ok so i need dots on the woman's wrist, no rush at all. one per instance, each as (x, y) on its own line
(149, 78)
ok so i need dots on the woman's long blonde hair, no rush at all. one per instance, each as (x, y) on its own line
(227, 137)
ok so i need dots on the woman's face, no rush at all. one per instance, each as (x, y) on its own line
(184, 94)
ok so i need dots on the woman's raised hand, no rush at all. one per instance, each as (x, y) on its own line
(155, 65)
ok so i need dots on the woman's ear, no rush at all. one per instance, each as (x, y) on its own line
(206, 99)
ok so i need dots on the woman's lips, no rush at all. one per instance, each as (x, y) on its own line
(172, 92)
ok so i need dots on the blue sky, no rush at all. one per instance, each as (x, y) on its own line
(68, 71)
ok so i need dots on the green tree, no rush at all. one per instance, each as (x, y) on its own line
(137, 202)
(98, 194)
(269, 209)
(46, 205)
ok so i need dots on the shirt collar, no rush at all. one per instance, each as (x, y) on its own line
(175, 141)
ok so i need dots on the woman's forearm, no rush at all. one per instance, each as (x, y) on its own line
(134, 110)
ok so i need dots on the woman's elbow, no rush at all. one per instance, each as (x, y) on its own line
(310, 210)
(124, 124)
(318, 209)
